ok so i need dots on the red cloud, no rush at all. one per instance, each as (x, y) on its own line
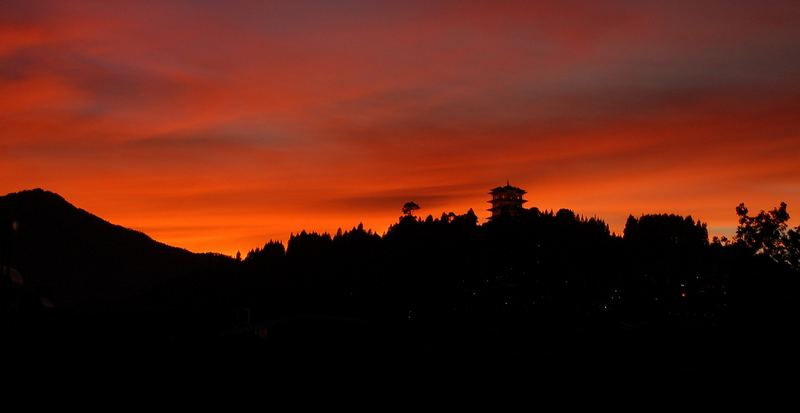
(217, 127)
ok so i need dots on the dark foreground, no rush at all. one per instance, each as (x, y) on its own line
(537, 295)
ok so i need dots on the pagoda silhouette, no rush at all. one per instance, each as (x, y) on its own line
(507, 201)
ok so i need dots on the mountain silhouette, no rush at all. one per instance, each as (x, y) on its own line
(549, 289)
(73, 258)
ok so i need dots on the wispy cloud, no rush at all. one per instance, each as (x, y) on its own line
(195, 119)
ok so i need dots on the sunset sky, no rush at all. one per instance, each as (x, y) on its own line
(218, 125)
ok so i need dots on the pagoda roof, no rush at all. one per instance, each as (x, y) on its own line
(521, 201)
(507, 188)
(499, 207)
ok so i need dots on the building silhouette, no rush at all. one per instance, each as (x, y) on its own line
(507, 201)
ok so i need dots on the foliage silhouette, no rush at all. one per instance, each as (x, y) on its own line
(513, 288)
(409, 208)
(769, 234)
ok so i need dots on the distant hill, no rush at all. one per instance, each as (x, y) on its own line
(73, 257)
(517, 290)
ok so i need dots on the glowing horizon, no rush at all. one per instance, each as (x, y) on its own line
(217, 126)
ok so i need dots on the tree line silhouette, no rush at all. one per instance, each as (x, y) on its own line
(541, 282)
(514, 283)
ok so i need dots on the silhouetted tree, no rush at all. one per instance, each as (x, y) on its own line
(409, 208)
(768, 233)
(271, 252)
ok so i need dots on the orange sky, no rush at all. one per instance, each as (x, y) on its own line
(216, 126)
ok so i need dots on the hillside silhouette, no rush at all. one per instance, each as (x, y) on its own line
(549, 288)
(74, 258)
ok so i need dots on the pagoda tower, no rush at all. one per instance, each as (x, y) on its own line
(507, 201)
